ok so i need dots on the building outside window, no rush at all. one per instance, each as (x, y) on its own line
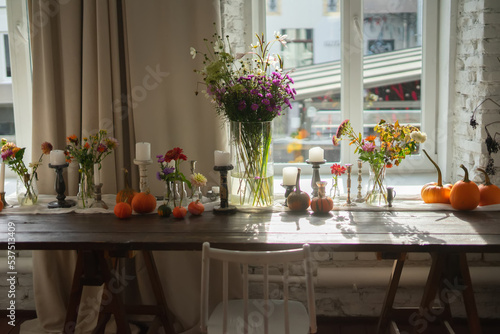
(392, 71)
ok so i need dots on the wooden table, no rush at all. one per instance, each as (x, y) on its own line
(441, 233)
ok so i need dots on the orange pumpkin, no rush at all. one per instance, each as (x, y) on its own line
(144, 202)
(298, 200)
(436, 192)
(322, 203)
(127, 193)
(488, 192)
(179, 212)
(123, 210)
(465, 193)
(196, 208)
(1, 206)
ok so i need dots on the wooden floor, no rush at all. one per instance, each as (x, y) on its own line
(325, 325)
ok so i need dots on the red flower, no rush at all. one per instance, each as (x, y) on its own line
(338, 169)
(388, 165)
(175, 154)
(101, 148)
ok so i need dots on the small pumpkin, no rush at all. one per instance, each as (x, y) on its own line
(321, 204)
(298, 200)
(465, 193)
(196, 208)
(164, 211)
(179, 212)
(1, 206)
(436, 192)
(123, 210)
(127, 193)
(144, 202)
(488, 192)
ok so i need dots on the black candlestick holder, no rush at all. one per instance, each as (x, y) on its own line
(224, 208)
(60, 188)
(315, 175)
(288, 191)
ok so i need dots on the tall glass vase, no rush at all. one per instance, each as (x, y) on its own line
(335, 192)
(376, 193)
(27, 190)
(85, 195)
(251, 182)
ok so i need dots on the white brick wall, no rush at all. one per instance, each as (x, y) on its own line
(477, 78)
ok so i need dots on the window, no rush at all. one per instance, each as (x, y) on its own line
(383, 81)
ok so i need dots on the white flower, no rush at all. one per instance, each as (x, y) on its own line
(218, 46)
(419, 137)
(192, 51)
(280, 38)
(255, 46)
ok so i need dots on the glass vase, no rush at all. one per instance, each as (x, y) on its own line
(27, 190)
(85, 195)
(335, 192)
(376, 193)
(252, 179)
(172, 195)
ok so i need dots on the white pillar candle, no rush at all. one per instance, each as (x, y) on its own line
(97, 176)
(216, 189)
(316, 154)
(222, 158)
(57, 158)
(2, 177)
(142, 151)
(289, 176)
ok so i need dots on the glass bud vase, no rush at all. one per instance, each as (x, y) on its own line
(85, 195)
(172, 195)
(335, 192)
(27, 190)
(252, 179)
(376, 193)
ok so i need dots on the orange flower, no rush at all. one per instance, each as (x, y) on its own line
(73, 139)
(46, 147)
(370, 138)
(15, 150)
(86, 146)
(388, 165)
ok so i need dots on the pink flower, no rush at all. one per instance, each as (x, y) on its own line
(368, 146)
(342, 127)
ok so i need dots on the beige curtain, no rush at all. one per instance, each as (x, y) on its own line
(123, 66)
(79, 78)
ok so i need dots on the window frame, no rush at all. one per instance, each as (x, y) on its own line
(352, 79)
(21, 69)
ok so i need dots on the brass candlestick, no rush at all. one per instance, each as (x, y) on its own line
(98, 202)
(360, 198)
(349, 170)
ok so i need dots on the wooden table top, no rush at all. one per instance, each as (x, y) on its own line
(410, 231)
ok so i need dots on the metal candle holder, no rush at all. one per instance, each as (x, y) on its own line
(60, 188)
(224, 207)
(315, 175)
(349, 170)
(98, 202)
(288, 191)
(360, 198)
(143, 173)
(193, 167)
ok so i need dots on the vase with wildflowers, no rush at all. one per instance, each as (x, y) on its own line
(87, 152)
(198, 180)
(27, 191)
(248, 90)
(337, 170)
(389, 146)
(173, 176)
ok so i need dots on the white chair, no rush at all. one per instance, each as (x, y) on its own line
(255, 316)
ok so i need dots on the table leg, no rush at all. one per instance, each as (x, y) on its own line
(469, 300)
(390, 295)
(158, 291)
(74, 297)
